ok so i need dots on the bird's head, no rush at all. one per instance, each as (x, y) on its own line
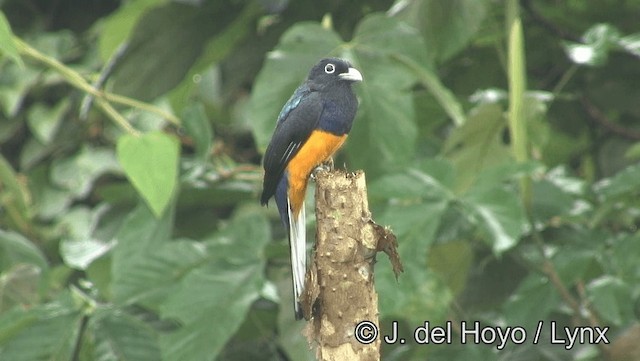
(332, 70)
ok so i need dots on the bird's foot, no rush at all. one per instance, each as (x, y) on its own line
(326, 166)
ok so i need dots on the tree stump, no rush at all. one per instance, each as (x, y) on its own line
(339, 285)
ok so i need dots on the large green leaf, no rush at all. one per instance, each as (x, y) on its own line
(48, 332)
(80, 247)
(612, 299)
(118, 336)
(622, 184)
(156, 275)
(175, 34)
(220, 290)
(478, 144)
(499, 214)
(447, 26)
(150, 161)
(411, 295)
(118, 25)
(215, 50)
(418, 200)
(534, 299)
(432, 180)
(384, 134)
(140, 233)
(452, 261)
(7, 44)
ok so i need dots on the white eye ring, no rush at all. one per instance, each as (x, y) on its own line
(329, 68)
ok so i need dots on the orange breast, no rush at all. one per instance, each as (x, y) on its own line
(319, 147)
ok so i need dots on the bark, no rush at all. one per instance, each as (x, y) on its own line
(339, 285)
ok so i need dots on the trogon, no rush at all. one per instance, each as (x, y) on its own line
(311, 127)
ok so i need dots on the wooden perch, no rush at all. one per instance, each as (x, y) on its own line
(339, 289)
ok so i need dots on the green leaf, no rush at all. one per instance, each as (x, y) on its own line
(221, 289)
(79, 254)
(597, 42)
(44, 121)
(478, 144)
(444, 96)
(119, 336)
(155, 274)
(624, 259)
(612, 299)
(499, 214)
(49, 201)
(140, 233)
(8, 45)
(17, 82)
(549, 201)
(534, 299)
(16, 249)
(452, 261)
(218, 48)
(47, 332)
(622, 184)
(20, 285)
(198, 127)
(77, 173)
(117, 27)
(385, 94)
(14, 194)
(150, 162)
(415, 184)
(574, 262)
(158, 32)
(447, 26)
(415, 226)
(631, 43)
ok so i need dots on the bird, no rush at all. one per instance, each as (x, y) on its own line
(312, 125)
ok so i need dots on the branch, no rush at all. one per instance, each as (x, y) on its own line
(548, 24)
(102, 98)
(580, 305)
(339, 288)
(601, 119)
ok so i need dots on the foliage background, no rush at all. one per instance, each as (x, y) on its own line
(505, 159)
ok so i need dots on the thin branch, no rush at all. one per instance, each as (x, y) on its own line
(546, 23)
(601, 119)
(107, 70)
(577, 305)
(102, 98)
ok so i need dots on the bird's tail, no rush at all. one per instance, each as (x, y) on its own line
(298, 245)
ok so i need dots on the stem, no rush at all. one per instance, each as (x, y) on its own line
(517, 85)
(102, 98)
(119, 99)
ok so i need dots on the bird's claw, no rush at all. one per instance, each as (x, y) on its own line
(326, 166)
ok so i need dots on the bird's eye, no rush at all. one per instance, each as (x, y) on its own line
(329, 68)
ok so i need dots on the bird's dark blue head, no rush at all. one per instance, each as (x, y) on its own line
(331, 71)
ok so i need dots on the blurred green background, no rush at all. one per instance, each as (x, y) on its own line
(500, 140)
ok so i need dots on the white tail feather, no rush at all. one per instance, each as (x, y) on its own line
(298, 244)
